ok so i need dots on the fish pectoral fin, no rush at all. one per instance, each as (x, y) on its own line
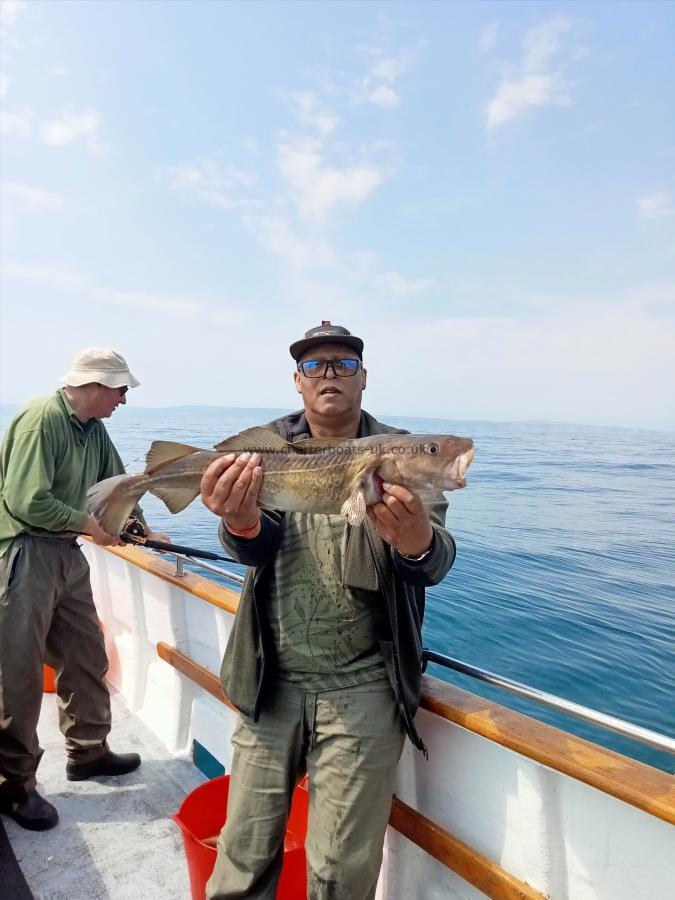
(254, 439)
(163, 452)
(354, 507)
(176, 497)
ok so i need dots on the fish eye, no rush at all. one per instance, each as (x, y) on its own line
(431, 448)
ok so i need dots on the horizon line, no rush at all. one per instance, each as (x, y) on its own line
(287, 410)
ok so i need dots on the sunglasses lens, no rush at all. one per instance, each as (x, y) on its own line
(343, 367)
(313, 368)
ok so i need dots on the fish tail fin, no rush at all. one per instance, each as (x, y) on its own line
(112, 500)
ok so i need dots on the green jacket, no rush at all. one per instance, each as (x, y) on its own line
(370, 564)
(48, 461)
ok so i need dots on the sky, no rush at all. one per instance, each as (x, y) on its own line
(484, 192)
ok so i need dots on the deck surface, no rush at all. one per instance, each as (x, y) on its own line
(115, 839)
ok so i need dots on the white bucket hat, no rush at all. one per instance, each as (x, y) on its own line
(101, 366)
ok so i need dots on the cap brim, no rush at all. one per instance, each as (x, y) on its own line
(299, 348)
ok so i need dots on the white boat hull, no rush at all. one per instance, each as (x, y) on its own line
(562, 837)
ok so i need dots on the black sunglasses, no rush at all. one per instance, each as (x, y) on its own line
(317, 368)
(120, 390)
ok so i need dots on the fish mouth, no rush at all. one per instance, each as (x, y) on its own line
(455, 472)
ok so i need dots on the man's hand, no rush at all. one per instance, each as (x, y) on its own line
(402, 521)
(99, 536)
(230, 489)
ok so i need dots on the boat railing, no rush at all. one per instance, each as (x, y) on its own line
(593, 716)
(585, 713)
(215, 570)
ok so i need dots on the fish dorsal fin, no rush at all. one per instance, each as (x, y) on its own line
(316, 445)
(163, 452)
(254, 439)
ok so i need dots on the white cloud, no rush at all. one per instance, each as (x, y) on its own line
(382, 95)
(4, 85)
(74, 127)
(54, 276)
(30, 198)
(398, 285)
(318, 188)
(309, 111)
(17, 124)
(144, 300)
(654, 207)
(299, 252)
(58, 278)
(513, 97)
(9, 11)
(533, 83)
(218, 185)
(389, 69)
(566, 363)
(488, 37)
(542, 42)
(377, 86)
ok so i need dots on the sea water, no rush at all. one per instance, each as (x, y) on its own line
(565, 569)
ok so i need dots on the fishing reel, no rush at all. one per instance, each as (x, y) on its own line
(134, 532)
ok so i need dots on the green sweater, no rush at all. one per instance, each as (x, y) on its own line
(48, 461)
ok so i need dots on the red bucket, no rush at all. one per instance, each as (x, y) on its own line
(49, 675)
(201, 817)
(48, 686)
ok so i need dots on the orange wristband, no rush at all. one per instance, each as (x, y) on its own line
(250, 532)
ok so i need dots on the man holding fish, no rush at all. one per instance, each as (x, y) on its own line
(325, 659)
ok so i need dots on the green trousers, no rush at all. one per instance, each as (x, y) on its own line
(349, 742)
(47, 613)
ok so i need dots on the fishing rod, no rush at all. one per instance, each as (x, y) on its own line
(611, 723)
(134, 533)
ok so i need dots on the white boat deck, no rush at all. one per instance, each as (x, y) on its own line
(115, 839)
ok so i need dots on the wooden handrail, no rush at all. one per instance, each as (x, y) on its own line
(215, 594)
(468, 863)
(633, 782)
(626, 779)
(194, 672)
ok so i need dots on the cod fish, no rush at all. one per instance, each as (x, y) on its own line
(317, 475)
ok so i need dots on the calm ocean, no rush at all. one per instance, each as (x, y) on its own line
(565, 573)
